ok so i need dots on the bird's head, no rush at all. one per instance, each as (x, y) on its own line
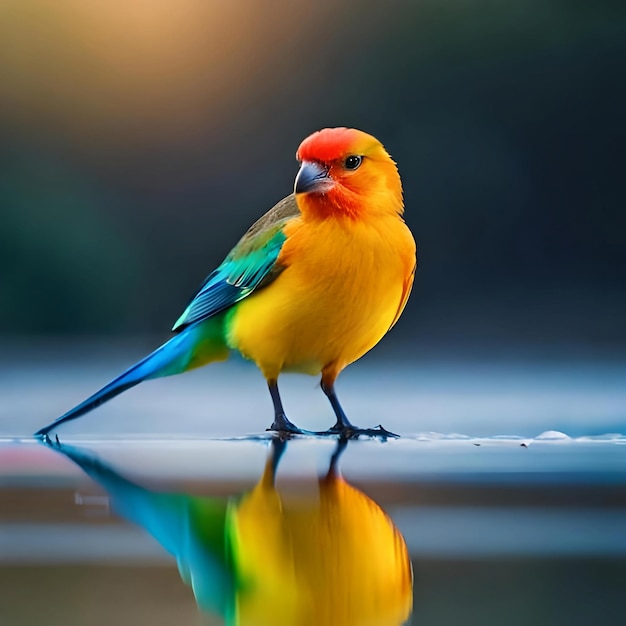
(345, 171)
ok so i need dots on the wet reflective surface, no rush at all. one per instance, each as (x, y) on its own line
(258, 531)
(312, 556)
(171, 505)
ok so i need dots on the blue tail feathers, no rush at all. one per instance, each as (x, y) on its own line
(173, 357)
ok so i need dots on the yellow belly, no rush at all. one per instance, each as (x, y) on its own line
(339, 294)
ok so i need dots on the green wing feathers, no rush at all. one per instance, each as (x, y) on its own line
(251, 264)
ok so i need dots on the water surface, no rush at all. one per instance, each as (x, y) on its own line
(171, 504)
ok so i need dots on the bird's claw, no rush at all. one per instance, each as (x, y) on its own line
(282, 435)
(285, 429)
(381, 431)
(354, 432)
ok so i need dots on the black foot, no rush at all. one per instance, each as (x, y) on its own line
(285, 428)
(354, 432)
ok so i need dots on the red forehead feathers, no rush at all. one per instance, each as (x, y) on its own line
(329, 144)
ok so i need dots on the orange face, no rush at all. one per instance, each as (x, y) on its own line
(346, 171)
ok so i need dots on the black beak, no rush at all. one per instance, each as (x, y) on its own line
(312, 177)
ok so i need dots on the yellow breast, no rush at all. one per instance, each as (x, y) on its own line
(344, 285)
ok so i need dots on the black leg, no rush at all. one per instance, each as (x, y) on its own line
(343, 426)
(281, 424)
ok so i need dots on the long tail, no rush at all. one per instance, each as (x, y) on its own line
(195, 346)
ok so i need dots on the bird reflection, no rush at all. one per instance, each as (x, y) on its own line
(265, 557)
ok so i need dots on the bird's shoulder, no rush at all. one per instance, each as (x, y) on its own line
(265, 229)
(250, 265)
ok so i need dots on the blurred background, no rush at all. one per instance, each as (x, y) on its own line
(139, 140)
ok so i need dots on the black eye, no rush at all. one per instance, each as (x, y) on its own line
(352, 162)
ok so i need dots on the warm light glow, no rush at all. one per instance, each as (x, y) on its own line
(99, 68)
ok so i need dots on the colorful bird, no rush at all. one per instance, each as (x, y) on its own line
(303, 556)
(311, 287)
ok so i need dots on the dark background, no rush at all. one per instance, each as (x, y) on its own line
(139, 140)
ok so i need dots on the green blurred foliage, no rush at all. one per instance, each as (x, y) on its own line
(63, 266)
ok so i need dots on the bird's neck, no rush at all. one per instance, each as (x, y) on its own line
(342, 202)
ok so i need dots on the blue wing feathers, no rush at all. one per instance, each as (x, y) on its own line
(236, 278)
(252, 264)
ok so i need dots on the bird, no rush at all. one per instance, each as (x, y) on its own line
(304, 554)
(311, 287)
